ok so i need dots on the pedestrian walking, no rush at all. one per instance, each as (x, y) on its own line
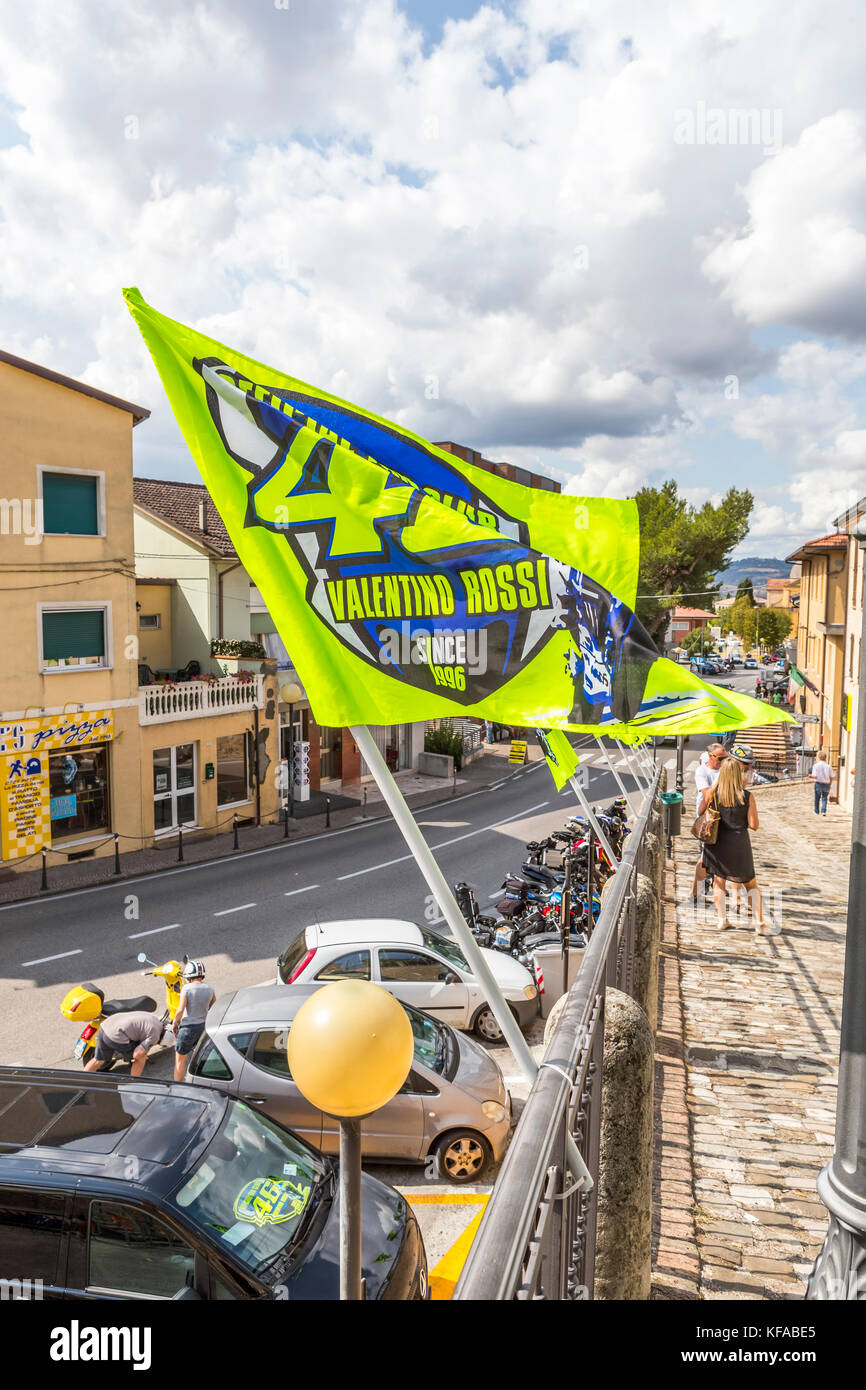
(706, 775)
(822, 775)
(130, 1037)
(196, 998)
(731, 855)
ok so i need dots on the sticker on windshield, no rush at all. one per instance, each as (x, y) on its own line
(268, 1201)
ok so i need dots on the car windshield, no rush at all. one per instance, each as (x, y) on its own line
(432, 1040)
(444, 948)
(253, 1188)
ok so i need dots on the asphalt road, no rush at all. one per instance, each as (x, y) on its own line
(239, 914)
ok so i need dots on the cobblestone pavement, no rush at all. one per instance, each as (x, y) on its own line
(746, 1064)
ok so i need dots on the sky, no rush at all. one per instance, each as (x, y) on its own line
(615, 244)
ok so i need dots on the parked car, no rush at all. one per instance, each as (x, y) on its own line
(454, 1103)
(417, 965)
(121, 1189)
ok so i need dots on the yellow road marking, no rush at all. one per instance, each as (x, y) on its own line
(443, 1277)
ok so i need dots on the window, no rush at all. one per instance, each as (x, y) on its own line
(149, 622)
(232, 785)
(74, 637)
(130, 1251)
(269, 1052)
(173, 787)
(210, 1062)
(78, 784)
(354, 966)
(71, 503)
(31, 1236)
(410, 965)
(851, 656)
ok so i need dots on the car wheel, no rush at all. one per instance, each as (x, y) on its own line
(463, 1156)
(485, 1025)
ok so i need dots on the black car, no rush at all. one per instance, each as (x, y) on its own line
(119, 1189)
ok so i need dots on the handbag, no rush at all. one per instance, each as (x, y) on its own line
(706, 827)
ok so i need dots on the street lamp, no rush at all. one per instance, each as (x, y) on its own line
(840, 1269)
(290, 694)
(349, 1052)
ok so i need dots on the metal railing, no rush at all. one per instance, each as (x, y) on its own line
(537, 1237)
(194, 699)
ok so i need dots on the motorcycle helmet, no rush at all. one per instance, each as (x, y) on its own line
(194, 970)
(742, 753)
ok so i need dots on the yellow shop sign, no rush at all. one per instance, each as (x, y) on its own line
(25, 796)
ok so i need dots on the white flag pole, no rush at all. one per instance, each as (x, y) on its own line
(591, 817)
(442, 894)
(633, 768)
(617, 778)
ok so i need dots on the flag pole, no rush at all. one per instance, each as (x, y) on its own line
(617, 778)
(633, 768)
(591, 817)
(437, 883)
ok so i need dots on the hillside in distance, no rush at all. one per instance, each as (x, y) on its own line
(757, 568)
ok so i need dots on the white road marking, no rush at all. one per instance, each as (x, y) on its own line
(243, 854)
(43, 959)
(496, 786)
(154, 931)
(226, 910)
(442, 845)
(292, 891)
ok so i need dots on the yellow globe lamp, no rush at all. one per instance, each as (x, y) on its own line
(350, 1048)
(349, 1052)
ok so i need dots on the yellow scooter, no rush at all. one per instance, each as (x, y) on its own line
(87, 1004)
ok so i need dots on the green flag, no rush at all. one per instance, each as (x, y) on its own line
(561, 757)
(407, 584)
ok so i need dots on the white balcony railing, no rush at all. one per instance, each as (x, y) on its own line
(194, 699)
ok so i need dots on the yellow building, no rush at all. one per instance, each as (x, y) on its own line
(69, 702)
(821, 635)
(209, 723)
(847, 522)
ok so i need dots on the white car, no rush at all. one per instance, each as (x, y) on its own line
(417, 965)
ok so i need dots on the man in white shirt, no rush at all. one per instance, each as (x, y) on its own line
(822, 776)
(706, 775)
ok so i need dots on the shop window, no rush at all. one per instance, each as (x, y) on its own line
(70, 504)
(232, 784)
(174, 801)
(73, 637)
(78, 784)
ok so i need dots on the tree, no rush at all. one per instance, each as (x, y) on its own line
(745, 590)
(768, 626)
(683, 548)
(695, 641)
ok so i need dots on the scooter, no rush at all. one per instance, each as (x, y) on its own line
(171, 974)
(87, 1004)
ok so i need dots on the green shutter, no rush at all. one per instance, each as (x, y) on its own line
(73, 633)
(69, 505)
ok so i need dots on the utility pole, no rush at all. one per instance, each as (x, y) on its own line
(680, 746)
(840, 1269)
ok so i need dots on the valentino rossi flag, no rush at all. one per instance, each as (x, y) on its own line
(405, 583)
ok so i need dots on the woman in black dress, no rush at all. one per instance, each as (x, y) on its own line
(731, 856)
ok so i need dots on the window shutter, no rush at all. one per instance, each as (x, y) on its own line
(69, 505)
(73, 633)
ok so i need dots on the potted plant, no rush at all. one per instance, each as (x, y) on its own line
(236, 654)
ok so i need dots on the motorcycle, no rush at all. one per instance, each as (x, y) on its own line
(86, 1004)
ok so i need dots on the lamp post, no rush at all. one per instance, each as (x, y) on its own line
(349, 1052)
(840, 1269)
(291, 694)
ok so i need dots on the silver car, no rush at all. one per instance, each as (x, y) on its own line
(453, 1106)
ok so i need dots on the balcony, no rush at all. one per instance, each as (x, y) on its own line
(195, 699)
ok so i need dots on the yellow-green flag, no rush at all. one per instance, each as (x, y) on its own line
(407, 584)
(561, 756)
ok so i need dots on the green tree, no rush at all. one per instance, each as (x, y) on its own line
(683, 548)
(758, 626)
(695, 641)
(745, 590)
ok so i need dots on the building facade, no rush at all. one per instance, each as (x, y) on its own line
(821, 637)
(69, 728)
